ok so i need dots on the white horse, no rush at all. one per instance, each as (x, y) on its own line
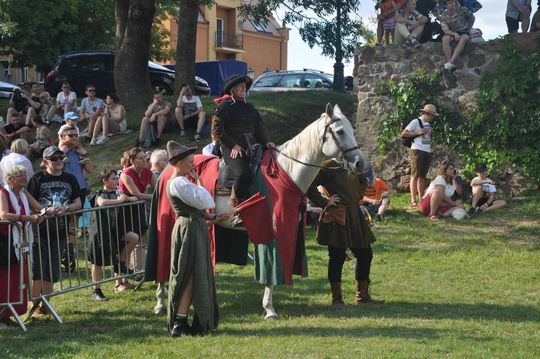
(330, 136)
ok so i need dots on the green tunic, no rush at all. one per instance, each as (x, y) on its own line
(190, 257)
(350, 188)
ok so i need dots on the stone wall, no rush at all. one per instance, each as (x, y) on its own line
(374, 65)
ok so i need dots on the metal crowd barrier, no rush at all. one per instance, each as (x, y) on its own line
(62, 251)
(15, 266)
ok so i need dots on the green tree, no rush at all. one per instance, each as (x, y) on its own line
(329, 24)
(35, 32)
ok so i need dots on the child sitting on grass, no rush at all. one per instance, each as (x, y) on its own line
(483, 189)
(111, 244)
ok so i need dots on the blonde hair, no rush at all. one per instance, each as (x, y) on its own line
(14, 171)
(19, 146)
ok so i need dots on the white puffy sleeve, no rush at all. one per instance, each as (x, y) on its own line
(191, 194)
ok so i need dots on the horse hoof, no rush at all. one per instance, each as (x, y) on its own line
(159, 309)
(271, 316)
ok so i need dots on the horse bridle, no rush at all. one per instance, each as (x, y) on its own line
(327, 129)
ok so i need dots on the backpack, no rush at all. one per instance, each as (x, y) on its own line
(408, 141)
(149, 136)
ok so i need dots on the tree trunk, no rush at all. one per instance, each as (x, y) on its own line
(185, 47)
(132, 44)
(339, 84)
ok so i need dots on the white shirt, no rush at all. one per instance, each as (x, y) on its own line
(190, 106)
(422, 143)
(440, 181)
(191, 194)
(209, 149)
(12, 160)
(63, 99)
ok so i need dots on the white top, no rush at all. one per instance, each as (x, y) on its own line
(63, 99)
(89, 107)
(422, 143)
(208, 149)
(440, 181)
(190, 106)
(191, 194)
(12, 160)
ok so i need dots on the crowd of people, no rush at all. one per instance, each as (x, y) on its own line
(411, 22)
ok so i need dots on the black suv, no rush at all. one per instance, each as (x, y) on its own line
(80, 68)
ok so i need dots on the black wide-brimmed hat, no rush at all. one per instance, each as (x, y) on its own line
(177, 151)
(234, 80)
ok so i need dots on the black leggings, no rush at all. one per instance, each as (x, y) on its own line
(337, 258)
(239, 168)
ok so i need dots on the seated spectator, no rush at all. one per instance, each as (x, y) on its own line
(189, 109)
(535, 22)
(17, 157)
(66, 101)
(24, 103)
(14, 129)
(16, 205)
(44, 137)
(113, 120)
(376, 198)
(425, 7)
(518, 11)
(437, 199)
(156, 115)
(456, 22)
(483, 193)
(409, 25)
(44, 100)
(458, 187)
(158, 161)
(110, 224)
(91, 109)
(386, 20)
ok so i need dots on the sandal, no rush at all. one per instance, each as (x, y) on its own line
(433, 218)
(414, 204)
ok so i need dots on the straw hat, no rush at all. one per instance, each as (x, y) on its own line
(430, 109)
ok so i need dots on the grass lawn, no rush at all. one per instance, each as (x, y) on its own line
(452, 289)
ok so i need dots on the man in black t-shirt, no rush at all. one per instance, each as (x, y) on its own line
(58, 192)
(24, 103)
(14, 129)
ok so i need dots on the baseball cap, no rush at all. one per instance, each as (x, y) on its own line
(50, 151)
(71, 116)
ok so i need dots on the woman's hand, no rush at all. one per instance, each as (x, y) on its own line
(236, 151)
(35, 219)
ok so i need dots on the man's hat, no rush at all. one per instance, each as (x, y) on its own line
(51, 151)
(431, 109)
(176, 151)
(234, 80)
(71, 116)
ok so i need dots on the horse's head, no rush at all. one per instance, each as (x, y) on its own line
(339, 141)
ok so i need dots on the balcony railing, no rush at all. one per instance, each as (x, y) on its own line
(230, 40)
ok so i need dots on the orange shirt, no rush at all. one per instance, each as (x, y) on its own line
(375, 191)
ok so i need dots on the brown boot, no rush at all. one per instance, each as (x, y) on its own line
(362, 295)
(337, 297)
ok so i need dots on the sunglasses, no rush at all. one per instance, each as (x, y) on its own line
(91, 90)
(56, 158)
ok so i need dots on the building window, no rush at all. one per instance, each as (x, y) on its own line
(23, 75)
(260, 26)
(219, 32)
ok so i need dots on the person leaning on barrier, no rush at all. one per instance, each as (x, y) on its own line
(58, 192)
(15, 206)
(110, 224)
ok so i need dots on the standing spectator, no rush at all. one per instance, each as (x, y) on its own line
(438, 197)
(44, 137)
(75, 165)
(420, 155)
(91, 108)
(456, 22)
(342, 227)
(518, 11)
(66, 101)
(409, 25)
(386, 20)
(14, 129)
(376, 198)
(57, 191)
(535, 22)
(189, 109)
(112, 121)
(156, 115)
(17, 157)
(16, 206)
(483, 193)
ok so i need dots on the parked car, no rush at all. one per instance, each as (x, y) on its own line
(80, 68)
(297, 80)
(6, 89)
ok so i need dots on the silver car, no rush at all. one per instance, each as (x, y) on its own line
(302, 80)
(6, 89)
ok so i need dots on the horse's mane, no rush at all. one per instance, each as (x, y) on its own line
(306, 140)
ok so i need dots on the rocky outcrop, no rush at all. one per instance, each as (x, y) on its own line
(374, 65)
